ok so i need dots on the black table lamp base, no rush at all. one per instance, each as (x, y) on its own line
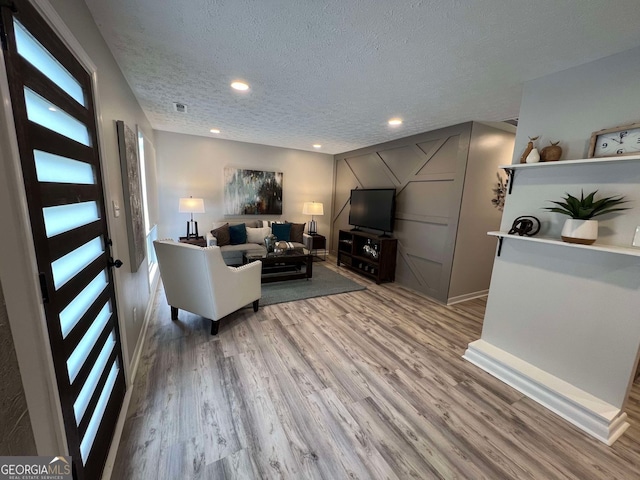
(312, 227)
(192, 229)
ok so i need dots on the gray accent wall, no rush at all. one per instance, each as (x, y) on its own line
(15, 424)
(441, 177)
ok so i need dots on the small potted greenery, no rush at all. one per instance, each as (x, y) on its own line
(581, 228)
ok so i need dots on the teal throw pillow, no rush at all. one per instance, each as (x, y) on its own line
(282, 231)
(238, 234)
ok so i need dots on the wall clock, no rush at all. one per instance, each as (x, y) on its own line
(612, 142)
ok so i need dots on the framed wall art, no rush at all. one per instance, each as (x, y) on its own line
(132, 189)
(252, 192)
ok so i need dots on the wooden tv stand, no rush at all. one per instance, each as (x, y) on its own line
(351, 252)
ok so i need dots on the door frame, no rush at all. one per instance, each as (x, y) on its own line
(18, 266)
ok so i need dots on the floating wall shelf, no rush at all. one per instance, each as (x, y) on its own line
(510, 169)
(633, 252)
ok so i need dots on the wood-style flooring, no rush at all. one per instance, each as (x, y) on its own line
(367, 385)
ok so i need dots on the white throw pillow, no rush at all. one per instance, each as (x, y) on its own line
(256, 235)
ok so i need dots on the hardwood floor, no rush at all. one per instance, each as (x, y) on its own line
(367, 385)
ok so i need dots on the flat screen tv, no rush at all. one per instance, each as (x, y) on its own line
(373, 208)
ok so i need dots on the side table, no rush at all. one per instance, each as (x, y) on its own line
(197, 241)
(315, 242)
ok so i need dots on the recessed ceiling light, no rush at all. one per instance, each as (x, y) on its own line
(214, 130)
(53, 109)
(317, 145)
(395, 121)
(240, 86)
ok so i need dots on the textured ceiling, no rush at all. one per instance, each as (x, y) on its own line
(333, 72)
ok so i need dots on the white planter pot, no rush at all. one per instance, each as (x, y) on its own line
(580, 231)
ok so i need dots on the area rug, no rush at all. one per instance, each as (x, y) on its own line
(324, 282)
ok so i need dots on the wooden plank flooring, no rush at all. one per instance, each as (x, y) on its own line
(367, 385)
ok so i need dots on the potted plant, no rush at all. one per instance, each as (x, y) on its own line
(581, 228)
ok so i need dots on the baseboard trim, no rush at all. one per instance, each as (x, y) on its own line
(137, 353)
(467, 296)
(117, 434)
(142, 339)
(594, 416)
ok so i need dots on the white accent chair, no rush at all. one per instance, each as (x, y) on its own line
(197, 280)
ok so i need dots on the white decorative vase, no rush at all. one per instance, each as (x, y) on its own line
(584, 232)
(533, 157)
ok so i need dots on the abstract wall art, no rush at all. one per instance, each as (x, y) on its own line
(252, 192)
(132, 189)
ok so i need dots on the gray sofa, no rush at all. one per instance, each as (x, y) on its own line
(232, 254)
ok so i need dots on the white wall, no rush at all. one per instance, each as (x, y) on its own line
(570, 312)
(570, 105)
(192, 165)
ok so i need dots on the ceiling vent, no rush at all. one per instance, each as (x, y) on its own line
(179, 107)
(512, 121)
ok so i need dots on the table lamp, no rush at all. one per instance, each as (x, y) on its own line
(191, 205)
(312, 208)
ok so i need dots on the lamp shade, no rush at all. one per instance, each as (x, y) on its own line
(313, 208)
(191, 205)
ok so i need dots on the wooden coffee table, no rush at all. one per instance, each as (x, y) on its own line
(289, 265)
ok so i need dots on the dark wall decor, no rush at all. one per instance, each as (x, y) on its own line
(132, 189)
(525, 225)
(252, 192)
(500, 192)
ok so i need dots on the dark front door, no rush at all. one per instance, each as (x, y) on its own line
(53, 108)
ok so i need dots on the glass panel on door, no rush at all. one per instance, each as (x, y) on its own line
(71, 315)
(92, 430)
(79, 356)
(62, 218)
(68, 266)
(51, 116)
(54, 168)
(81, 403)
(38, 56)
